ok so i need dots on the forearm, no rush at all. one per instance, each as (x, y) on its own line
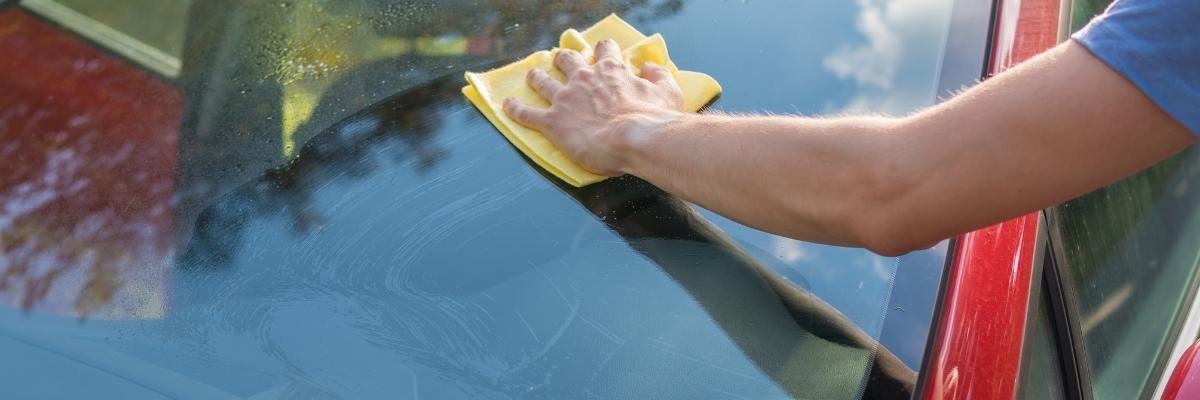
(804, 178)
(1052, 129)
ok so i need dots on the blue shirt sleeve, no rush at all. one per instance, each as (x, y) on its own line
(1156, 45)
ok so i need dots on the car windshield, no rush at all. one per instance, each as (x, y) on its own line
(231, 199)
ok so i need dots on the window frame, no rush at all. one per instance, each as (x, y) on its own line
(1072, 348)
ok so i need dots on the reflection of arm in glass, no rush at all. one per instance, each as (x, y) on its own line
(767, 316)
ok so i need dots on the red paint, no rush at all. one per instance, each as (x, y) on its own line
(1025, 28)
(88, 147)
(1185, 380)
(977, 347)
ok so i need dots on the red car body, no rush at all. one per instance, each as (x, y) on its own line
(978, 333)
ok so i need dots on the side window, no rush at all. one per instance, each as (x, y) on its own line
(1082, 11)
(1129, 257)
(1128, 260)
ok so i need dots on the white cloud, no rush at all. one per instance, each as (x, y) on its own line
(873, 63)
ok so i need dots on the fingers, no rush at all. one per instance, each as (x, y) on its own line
(532, 117)
(569, 61)
(660, 76)
(665, 80)
(543, 83)
(608, 48)
(656, 73)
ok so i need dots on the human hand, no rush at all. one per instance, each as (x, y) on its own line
(602, 110)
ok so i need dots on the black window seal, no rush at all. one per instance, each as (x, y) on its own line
(993, 16)
(1039, 292)
(1072, 353)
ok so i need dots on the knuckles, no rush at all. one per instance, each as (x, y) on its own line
(610, 63)
(567, 56)
(584, 75)
(534, 76)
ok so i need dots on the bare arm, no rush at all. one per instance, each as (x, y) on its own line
(1051, 129)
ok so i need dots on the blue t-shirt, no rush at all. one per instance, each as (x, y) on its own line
(1156, 45)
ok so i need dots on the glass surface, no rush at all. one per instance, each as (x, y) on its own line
(1131, 253)
(339, 222)
(1082, 11)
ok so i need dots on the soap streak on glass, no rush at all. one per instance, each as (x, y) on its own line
(313, 210)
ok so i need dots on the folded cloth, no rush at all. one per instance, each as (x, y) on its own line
(488, 90)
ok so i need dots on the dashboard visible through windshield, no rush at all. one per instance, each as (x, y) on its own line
(291, 199)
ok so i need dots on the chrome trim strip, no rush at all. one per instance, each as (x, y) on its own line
(112, 39)
(1066, 12)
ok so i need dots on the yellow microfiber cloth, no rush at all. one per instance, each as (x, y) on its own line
(488, 90)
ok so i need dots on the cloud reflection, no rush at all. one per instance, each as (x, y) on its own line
(791, 251)
(889, 27)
